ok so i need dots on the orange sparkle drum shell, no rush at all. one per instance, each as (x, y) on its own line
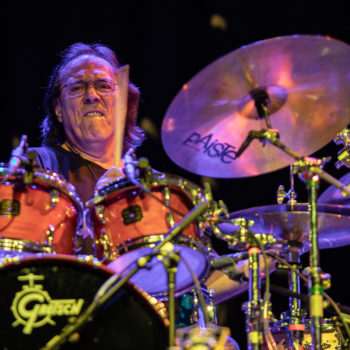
(42, 216)
(129, 223)
(154, 216)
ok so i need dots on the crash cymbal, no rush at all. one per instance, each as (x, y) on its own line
(292, 223)
(306, 79)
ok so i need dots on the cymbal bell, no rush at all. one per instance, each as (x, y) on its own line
(291, 223)
(304, 80)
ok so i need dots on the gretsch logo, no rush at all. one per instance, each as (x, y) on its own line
(33, 307)
(212, 147)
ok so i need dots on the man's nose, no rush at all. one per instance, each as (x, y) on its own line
(91, 94)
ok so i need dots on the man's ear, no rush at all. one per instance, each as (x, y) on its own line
(58, 110)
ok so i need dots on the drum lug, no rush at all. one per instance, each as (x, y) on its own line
(54, 195)
(49, 233)
(106, 245)
(167, 197)
(99, 210)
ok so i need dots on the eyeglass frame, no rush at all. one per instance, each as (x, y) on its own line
(87, 84)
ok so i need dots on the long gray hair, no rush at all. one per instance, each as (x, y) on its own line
(52, 131)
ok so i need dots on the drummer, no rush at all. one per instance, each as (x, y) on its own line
(78, 129)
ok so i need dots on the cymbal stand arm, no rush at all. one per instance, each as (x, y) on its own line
(267, 136)
(272, 136)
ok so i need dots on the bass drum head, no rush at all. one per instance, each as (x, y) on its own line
(40, 295)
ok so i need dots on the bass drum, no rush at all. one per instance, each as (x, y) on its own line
(39, 296)
(41, 216)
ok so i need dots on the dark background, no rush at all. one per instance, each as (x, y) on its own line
(166, 43)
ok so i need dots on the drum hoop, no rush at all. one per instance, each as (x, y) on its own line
(20, 245)
(158, 180)
(49, 179)
(150, 241)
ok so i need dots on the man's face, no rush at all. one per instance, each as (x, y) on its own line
(88, 118)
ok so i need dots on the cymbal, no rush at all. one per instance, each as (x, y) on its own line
(333, 195)
(306, 79)
(292, 224)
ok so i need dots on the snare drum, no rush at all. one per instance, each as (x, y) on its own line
(40, 295)
(40, 217)
(128, 223)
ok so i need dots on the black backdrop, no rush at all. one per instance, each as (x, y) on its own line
(165, 43)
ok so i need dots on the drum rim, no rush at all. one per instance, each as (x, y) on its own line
(47, 178)
(158, 179)
(149, 241)
(22, 245)
(183, 240)
(323, 208)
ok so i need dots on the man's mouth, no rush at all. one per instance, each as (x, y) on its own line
(94, 114)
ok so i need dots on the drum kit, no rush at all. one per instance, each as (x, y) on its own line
(143, 286)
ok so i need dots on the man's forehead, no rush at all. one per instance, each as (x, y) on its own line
(87, 65)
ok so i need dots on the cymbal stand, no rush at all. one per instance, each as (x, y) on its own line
(314, 272)
(294, 318)
(310, 170)
(254, 309)
(171, 261)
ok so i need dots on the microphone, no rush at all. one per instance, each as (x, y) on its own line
(228, 260)
(17, 155)
(227, 264)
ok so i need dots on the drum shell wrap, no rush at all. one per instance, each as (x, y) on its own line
(128, 223)
(147, 217)
(44, 214)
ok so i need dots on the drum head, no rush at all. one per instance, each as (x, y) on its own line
(40, 295)
(154, 279)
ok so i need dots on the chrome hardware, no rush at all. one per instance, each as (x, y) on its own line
(54, 198)
(50, 233)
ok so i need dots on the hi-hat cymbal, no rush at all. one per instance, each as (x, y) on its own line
(306, 79)
(287, 223)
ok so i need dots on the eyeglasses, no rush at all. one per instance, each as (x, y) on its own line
(103, 87)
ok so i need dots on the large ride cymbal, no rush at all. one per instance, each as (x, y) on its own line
(307, 80)
(287, 223)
